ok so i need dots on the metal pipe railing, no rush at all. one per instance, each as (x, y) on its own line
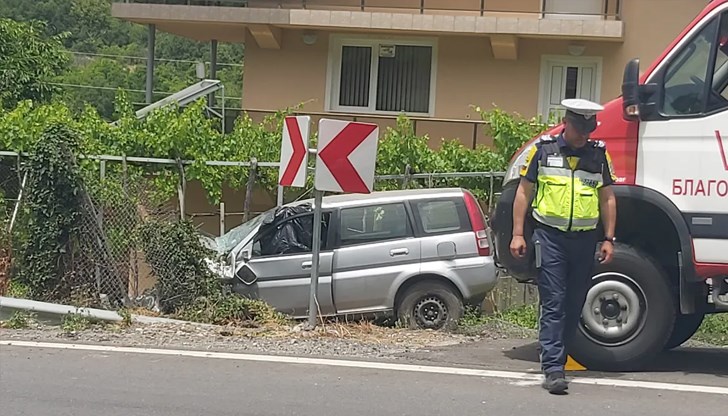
(479, 7)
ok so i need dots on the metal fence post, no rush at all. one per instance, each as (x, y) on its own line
(249, 188)
(279, 196)
(181, 189)
(490, 194)
(21, 192)
(222, 219)
(100, 219)
(407, 172)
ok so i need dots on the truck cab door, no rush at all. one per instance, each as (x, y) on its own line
(683, 139)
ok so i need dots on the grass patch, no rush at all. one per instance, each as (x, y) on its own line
(517, 322)
(525, 316)
(74, 322)
(17, 290)
(231, 310)
(714, 330)
(126, 319)
(19, 320)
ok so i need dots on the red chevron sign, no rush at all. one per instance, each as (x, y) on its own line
(294, 151)
(347, 153)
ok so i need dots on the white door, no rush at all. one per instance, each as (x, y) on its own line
(568, 78)
(682, 149)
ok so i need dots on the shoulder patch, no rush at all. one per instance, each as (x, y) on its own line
(546, 139)
(610, 166)
(529, 157)
(599, 144)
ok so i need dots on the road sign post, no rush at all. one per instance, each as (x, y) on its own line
(345, 160)
(315, 252)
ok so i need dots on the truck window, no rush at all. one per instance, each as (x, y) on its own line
(696, 79)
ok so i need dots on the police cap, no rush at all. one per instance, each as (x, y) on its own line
(582, 113)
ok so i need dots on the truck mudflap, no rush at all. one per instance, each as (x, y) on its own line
(521, 269)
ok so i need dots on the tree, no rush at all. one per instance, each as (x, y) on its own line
(29, 60)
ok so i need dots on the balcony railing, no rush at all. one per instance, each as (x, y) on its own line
(608, 10)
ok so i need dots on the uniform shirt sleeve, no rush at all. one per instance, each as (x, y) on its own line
(529, 169)
(608, 176)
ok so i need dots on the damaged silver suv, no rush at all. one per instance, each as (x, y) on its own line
(420, 255)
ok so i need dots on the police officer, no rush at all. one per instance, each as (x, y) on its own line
(572, 176)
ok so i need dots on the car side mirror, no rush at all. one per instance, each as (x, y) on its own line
(639, 102)
(631, 90)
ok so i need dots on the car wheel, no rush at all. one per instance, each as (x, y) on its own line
(628, 315)
(430, 305)
(684, 328)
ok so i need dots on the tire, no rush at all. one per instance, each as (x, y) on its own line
(434, 297)
(646, 322)
(684, 328)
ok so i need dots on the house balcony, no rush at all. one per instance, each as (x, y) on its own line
(504, 21)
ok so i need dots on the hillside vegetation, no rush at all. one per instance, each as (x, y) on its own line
(107, 54)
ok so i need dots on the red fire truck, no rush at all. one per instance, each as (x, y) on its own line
(668, 137)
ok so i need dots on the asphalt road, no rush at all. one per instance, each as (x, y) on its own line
(45, 381)
(684, 365)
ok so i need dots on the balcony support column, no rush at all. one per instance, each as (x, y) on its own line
(151, 42)
(213, 69)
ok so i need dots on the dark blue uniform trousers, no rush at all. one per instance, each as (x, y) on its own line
(567, 262)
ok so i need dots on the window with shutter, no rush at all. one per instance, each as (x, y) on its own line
(381, 76)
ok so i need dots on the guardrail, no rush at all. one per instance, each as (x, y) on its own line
(611, 9)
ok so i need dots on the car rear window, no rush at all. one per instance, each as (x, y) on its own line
(442, 216)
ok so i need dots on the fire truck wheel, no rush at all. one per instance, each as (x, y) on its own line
(684, 328)
(628, 315)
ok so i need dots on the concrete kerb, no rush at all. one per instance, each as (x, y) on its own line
(53, 313)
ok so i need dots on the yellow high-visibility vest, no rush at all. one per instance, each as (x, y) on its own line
(567, 197)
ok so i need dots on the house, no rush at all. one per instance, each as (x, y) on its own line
(370, 60)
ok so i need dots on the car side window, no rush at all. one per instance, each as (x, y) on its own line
(696, 79)
(442, 216)
(291, 236)
(374, 223)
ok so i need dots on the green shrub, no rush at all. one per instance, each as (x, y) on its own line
(177, 258)
(52, 212)
(186, 287)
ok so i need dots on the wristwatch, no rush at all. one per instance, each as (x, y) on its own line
(610, 239)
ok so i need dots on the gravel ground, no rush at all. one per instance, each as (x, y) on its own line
(332, 340)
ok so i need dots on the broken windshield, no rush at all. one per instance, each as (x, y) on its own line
(233, 237)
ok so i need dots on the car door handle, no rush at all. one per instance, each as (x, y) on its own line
(306, 265)
(399, 252)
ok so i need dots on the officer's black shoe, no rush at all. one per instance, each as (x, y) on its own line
(555, 383)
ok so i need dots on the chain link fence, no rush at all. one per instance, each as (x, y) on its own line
(111, 270)
(120, 205)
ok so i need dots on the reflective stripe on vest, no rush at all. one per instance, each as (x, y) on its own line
(567, 200)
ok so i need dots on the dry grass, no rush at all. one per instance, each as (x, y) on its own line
(144, 312)
(360, 331)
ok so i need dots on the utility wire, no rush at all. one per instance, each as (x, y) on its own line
(142, 58)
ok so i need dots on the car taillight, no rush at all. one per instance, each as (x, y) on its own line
(477, 220)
